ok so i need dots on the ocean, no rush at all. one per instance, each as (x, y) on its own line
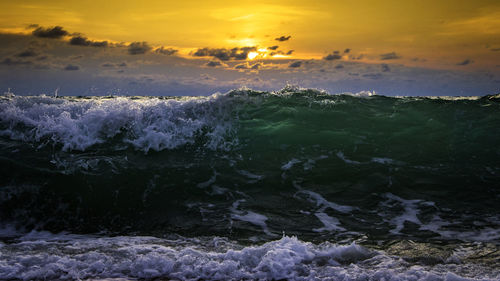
(296, 184)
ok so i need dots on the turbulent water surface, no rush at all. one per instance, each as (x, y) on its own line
(296, 184)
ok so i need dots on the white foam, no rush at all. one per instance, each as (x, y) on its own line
(330, 223)
(249, 216)
(321, 201)
(249, 175)
(145, 123)
(438, 225)
(409, 214)
(309, 164)
(340, 155)
(289, 164)
(386, 161)
(209, 182)
(65, 257)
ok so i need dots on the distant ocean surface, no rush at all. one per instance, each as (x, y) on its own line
(296, 184)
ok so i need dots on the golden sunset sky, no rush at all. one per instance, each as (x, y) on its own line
(443, 32)
(441, 35)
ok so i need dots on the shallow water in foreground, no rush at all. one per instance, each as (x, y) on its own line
(233, 185)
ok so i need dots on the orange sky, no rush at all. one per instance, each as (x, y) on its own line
(433, 34)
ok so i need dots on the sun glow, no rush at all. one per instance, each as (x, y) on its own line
(252, 55)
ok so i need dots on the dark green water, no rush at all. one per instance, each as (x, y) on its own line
(229, 187)
(252, 165)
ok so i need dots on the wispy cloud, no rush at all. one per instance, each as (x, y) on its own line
(390, 56)
(55, 32)
(465, 62)
(283, 38)
(83, 41)
(71, 67)
(335, 55)
(138, 48)
(225, 54)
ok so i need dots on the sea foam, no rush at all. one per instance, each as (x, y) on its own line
(144, 123)
(45, 256)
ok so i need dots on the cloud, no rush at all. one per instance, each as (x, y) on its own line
(390, 56)
(283, 38)
(361, 56)
(138, 48)
(339, 66)
(346, 51)
(215, 63)
(495, 50)
(71, 67)
(166, 51)
(55, 32)
(242, 66)
(295, 64)
(333, 56)
(373, 76)
(274, 48)
(224, 54)
(83, 41)
(256, 66)
(108, 64)
(465, 62)
(246, 65)
(385, 67)
(27, 53)
(289, 52)
(9, 61)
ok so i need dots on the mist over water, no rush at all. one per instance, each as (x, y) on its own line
(380, 187)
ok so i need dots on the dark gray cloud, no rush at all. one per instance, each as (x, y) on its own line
(373, 76)
(55, 32)
(123, 64)
(71, 67)
(339, 66)
(274, 48)
(27, 53)
(225, 54)
(83, 41)
(241, 66)
(256, 66)
(295, 64)
(385, 67)
(465, 62)
(390, 56)
(495, 50)
(359, 57)
(333, 56)
(214, 63)
(283, 38)
(166, 51)
(281, 53)
(346, 51)
(138, 48)
(108, 64)
(10, 61)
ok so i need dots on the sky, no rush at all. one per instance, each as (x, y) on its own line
(201, 47)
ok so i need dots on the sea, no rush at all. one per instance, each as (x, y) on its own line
(295, 184)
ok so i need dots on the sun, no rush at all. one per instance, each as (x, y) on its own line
(252, 55)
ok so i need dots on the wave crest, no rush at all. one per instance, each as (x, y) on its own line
(145, 123)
